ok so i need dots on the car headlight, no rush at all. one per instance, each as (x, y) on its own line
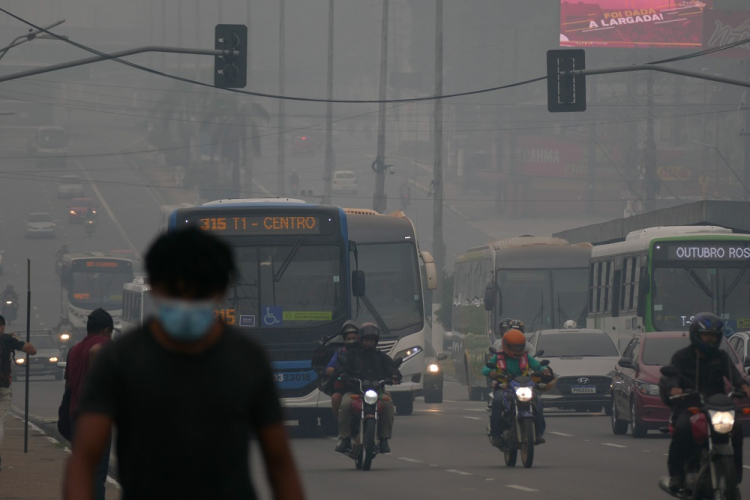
(9, 302)
(64, 336)
(647, 389)
(53, 359)
(722, 421)
(433, 368)
(371, 397)
(72, 212)
(524, 394)
(407, 354)
(20, 361)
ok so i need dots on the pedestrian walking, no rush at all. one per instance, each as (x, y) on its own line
(99, 329)
(185, 391)
(9, 343)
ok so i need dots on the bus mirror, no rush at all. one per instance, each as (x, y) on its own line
(430, 270)
(442, 356)
(358, 283)
(489, 296)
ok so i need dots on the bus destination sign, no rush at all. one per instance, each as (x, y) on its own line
(267, 224)
(707, 251)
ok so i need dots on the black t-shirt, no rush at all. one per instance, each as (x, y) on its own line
(8, 344)
(183, 421)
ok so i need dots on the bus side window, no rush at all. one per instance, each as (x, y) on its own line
(642, 290)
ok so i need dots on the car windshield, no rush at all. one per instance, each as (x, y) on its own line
(392, 284)
(681, 292)
(44, 342)
(276, 288)
(52, 138)
(659, 351)
(557, 345)
(40, 218)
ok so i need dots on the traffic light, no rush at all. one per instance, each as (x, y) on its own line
(565, 93)
(230, 71)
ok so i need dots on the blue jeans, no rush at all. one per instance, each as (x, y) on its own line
(102, 469)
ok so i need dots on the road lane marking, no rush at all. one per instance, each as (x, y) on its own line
(561, 434)
(434, 465)
(459, 472)
(744, 466)
(518, 487)
(473, 418)
(413, 460)
(490, 479)
(614, 445)
(449, 401)
(109, 210)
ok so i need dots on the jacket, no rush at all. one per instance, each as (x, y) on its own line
(367, 364)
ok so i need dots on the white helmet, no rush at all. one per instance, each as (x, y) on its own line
(570, 324)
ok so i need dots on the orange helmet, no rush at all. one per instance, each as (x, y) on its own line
(514, 343)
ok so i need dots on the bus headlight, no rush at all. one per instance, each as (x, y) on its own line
(722, 421)
(407, 354)
(433, 368)
(524, 394)
(371, 397)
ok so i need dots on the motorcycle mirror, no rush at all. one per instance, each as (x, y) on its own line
(539, 353)
(669, 371)
(493, 350)
(544, 362)
(442, 356)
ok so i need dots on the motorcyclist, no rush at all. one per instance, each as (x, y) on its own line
(512, 360)
(350, 333)
(570, 324)
(9, 294)
(61, 251)
(405, 193)
(701, 366)
(367, 363)
(517, 324)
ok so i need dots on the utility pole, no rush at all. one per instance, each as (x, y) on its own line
(179, 28)
(591, 209)
(197, 35)
(745, 108)
(379, 199)
(329, 112)
(163, 33)
(282, 103)
(437, 181)
(649, 162)
(249, 139)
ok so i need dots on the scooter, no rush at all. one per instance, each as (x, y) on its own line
(9, 310)
(367, 408)
(710, 471)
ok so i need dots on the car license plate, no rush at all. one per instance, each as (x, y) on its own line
(583, 389)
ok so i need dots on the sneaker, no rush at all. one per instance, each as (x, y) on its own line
(676, 483)
(383, 447)
(343, 445)
(540, 439)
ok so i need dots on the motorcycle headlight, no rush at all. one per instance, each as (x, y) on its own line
(64, 336)
(20, 361)
(433, 368)
(371, 397)
(647, 389)
(524, 394)
(9, 302)
(53, 359)
(722, 421)
(407, 354)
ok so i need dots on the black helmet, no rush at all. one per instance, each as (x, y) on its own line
(517, 324)
(349, 327)
(505, 325)
(705, 322)
(369, 330)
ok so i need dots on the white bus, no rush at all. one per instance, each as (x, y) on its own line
(166, 211)
(659, 277)
(398, 276)
(137, 304)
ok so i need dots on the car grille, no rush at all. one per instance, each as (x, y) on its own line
(602, 384)
(387, 346)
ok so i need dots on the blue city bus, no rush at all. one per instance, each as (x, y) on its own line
(293, 286)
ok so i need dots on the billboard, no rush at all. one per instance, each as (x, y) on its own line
(633, 23)
(721, 27)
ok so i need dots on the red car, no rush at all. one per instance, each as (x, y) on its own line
(635, 390)
(79, 208)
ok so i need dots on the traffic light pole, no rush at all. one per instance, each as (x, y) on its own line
(380, 201)
(329, 112)
(116, 55)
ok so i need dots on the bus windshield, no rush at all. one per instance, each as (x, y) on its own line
(292, 286)
(543, 298)
(681, 292)
(392, 284)
(90, 290)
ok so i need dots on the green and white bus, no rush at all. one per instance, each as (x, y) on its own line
(659, 277)
(539, 280)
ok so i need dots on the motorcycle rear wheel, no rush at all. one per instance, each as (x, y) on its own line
(527, 444)
(368, 443)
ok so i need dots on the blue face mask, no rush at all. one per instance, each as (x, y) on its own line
(187, 320)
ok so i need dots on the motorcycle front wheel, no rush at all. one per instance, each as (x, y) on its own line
(511, 454)
(726, 480)
(527, 443)
(368, 443)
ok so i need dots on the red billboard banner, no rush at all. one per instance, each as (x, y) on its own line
(549, 156)
(632, 23)
(721, 27)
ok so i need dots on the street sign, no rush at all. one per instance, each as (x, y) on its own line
(565, 93)
(230, 71)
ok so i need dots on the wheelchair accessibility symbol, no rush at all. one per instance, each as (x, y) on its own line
(272, 316)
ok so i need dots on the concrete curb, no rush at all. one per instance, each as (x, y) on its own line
(48, 427)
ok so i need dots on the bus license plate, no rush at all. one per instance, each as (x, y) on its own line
(583, 389)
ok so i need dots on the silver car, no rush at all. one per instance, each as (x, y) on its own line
(584, 361)
(40, 225)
